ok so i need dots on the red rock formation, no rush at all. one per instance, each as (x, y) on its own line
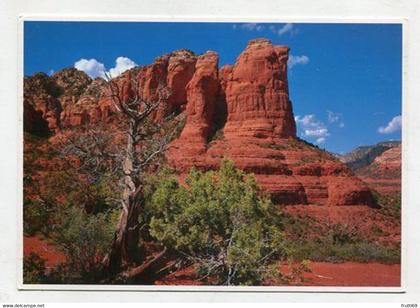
(384, 173)
(202, 91)
(390, 159)
(33, 121)
(41, 93)
(181, 68)
(260, 133)
(257, 93)
(87, 108)
(172, 71)
(241, 112)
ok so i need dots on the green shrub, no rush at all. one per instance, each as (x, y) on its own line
(338, 243)
(36, 216)
(33, 269)
(221, 223)
(340, 234)
(84, 238)
(390, 205)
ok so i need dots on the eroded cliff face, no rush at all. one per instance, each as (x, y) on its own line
(259, 133)
(41, 105)
(384, 173)
(257, 93)
(240, 112)
(171, 71)
(202, 95)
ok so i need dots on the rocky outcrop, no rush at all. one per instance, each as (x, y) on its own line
(33, 120)
(259, 133)
(171, 71)
(88, 108)
(71, 82)
(384, 172)
(53, 95)
(240, 112)
(365, 155)
(41, 98)
(257, 93)
(202, 94)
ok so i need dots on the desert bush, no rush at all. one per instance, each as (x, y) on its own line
(33, 269)
(221, 223)
(390, 205)
(340, 234)
(338, 243)
(70, 188)
(84, 238)
(36, 216)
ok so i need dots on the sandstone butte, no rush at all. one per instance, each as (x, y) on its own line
(240, 112)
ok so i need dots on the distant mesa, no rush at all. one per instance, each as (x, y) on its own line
(378, 165)
(240, 112)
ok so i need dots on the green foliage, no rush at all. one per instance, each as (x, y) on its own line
(33, 269)
(84, 238)
(71, 208)
(340, 234)
(41, 83)
(36, 217)
(96, 197)
(220, 222)
(69, 188)
(307, 239)
(363, 251)
(390, 205)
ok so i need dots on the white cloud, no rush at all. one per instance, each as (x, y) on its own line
(311, 127)
(250, 27)
(94, 68)
(91, 67)
(286, 28)
(335, 117)
(276, 29)
(121, 65)
(320, 140)
(51, 72)
(316, 132)
(392, 126)
(294, 60)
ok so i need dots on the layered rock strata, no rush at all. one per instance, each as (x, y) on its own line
(240, 112)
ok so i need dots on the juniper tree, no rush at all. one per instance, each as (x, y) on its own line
(144, 141)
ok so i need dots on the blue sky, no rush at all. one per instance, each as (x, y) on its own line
(344, 79)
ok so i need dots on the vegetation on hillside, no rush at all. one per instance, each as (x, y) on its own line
(221, 223)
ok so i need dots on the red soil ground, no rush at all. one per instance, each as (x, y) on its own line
(51, 254)
(348, 274)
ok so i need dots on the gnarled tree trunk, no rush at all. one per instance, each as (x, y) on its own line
(124, 252)
(124, 246)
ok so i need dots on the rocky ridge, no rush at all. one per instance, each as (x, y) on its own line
(365, 155)
(240, 112)
(378, 165)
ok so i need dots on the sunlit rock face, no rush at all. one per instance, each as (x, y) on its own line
(240, 112)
